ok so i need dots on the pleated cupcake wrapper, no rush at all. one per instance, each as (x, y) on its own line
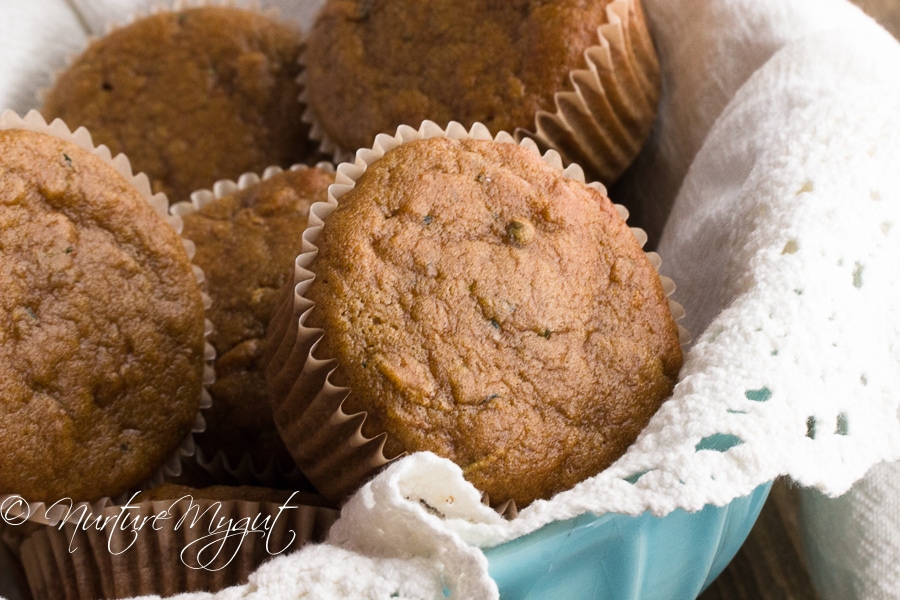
(14, 510)
(225, 187)
(243, 469)
(106, 555)
(247, 471)
(603, 122)
(327, 442)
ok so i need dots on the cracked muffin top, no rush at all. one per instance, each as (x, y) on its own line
(246, 244)
(101, 342)
(191, 96)
(484, 307)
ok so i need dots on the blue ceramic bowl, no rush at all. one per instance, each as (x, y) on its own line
(619, 557)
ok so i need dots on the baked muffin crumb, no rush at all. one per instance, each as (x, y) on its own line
(484, 307)
(190, 96)
(101, 338)
(245, 243)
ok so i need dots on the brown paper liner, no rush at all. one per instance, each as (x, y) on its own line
(75, 561)
(15, 511)
(222, 466)
(603, 122)
(327, 443)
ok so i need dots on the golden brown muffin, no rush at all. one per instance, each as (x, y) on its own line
(191, 96)
(484, 307)
(101, 342)
(246, 244)
(372, 66)
(172, 540)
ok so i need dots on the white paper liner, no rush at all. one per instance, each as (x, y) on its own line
(245, 469)
(183, 553)
(14, 510)
(602, 123)
(326, 442)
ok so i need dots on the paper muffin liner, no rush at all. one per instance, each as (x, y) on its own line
(165, 547)
(327, 442)
(222, 466)
(241, 470)
(602, 122)
(16, 511)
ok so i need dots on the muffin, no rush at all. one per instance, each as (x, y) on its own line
(478, 303)
(583, 76)
(191, 96)
(102, 353)
(170, 540)
(246, 240)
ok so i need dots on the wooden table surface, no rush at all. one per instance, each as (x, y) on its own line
(770, 565)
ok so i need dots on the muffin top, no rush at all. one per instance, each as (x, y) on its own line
(372, 66)
(191, 96)
(484, 307)
(101, 347)
(246, 244)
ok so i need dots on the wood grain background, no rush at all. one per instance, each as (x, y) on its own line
(770, 564)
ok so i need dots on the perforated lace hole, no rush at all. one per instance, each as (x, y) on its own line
(842, 427)
(857, 275)
(760, 395)
(805, 188)
(632, 479)
(719, 442)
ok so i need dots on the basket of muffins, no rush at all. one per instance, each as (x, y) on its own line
(382, 233)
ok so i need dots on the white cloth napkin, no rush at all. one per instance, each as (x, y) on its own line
(852, 542)
(776, 152)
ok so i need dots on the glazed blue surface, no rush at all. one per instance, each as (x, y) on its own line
(618, 557)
